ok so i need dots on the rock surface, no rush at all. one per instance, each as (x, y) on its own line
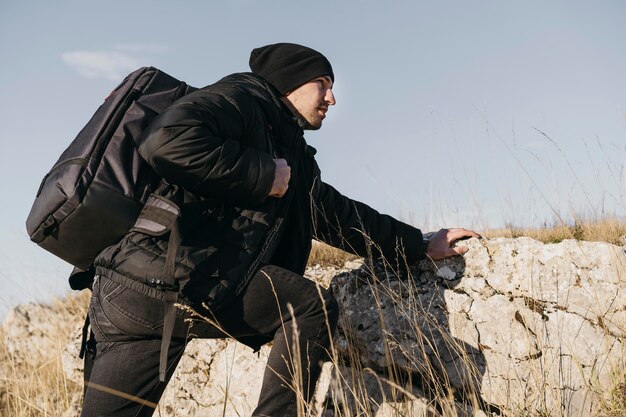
(27, 331)
(514, 325)
(522, 324)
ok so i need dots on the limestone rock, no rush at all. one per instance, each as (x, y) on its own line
(29, 331)
(514, 325)
(214, 378)
(518, 323)
(72, 364)
(31, 336)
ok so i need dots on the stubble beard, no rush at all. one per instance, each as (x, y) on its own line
(312, 120)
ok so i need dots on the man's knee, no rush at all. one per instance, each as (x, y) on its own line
(307, 298)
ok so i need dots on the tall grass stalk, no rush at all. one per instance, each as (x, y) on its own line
(35, 384)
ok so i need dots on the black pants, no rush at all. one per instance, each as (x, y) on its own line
(123, 378)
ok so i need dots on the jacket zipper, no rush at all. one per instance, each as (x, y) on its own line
(270, 236)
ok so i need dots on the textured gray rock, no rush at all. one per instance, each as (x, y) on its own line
(215, 378)
(30, 335)
(521, 324)
(517, 324)
(29, 331)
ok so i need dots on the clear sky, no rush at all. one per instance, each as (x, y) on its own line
(449, 113)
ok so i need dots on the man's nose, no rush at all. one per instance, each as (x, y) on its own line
(330, 97)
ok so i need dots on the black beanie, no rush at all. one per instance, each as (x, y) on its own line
(287, 65)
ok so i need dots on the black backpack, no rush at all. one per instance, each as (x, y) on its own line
(93, 194)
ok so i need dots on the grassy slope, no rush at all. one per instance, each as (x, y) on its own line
(39, 388)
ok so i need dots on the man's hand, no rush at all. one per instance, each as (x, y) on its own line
(281, 178)
(440, 244)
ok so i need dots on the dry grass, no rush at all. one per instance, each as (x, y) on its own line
(325, 255)
(33, 383)
(614, 404)
(37, 386)
(611, 230)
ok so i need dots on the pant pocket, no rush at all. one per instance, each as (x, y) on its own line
(130, 312)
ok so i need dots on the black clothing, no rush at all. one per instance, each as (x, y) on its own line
(128, 334)
(215, 148)
(288, 65)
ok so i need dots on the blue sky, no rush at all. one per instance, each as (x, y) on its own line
(449, 113)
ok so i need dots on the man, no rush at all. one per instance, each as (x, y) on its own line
(236, 166)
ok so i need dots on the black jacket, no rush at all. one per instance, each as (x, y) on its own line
(215, 149)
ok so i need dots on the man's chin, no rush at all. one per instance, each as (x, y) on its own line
(313, 125)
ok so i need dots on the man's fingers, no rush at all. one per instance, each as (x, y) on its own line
(459, 250)
(282, 175)
(460, 233)
(437, 254)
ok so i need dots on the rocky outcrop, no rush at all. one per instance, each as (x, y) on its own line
(28, 331)
(33, 336)
(518, 324)
(514, 326)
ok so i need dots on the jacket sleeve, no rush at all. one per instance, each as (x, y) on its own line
(355, 227)
(197, 144)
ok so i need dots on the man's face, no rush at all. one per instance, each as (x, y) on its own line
(311, 101)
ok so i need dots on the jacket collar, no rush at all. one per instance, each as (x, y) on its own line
(282, 121)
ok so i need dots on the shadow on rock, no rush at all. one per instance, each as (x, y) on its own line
(397, 324)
